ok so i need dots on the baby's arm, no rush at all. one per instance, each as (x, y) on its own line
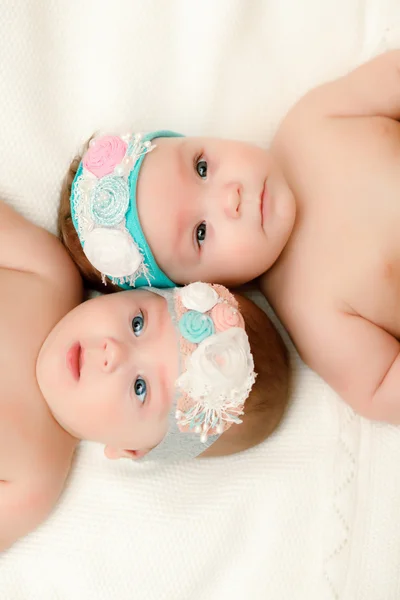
(30, 249)
(24, 504)
(373, 89)
(358, 359)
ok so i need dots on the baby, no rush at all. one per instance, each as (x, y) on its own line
(321, 208)
(166, 374)
(163, 209)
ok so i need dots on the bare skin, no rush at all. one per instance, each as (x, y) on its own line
(48, 403)
(35, 451)
(336, 285)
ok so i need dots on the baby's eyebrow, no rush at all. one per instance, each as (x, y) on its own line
(186, 155)
(181, 237)
(163, 380)
(185, 220)
(163, 376)
(181, 151)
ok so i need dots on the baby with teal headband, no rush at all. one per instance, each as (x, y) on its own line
(162, 209)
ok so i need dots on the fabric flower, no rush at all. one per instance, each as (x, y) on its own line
(226, 316)
(221, 369)
(109, 201)
(113, 252)
(104, 154)
(195, 326)
(199, 296)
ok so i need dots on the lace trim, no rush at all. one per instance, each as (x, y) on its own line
(340, 519)
(111, 217)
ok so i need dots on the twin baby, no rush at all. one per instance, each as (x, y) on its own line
(164, 373)
(161, 371)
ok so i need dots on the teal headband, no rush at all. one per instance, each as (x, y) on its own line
(104, 210)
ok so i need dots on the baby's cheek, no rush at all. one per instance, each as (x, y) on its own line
(242, 252)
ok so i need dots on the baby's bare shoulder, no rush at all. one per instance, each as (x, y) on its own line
(313, 109)
(369, 90)
(27, 248)
(35, 458)
(34, 449)
(305, 297)
(27, 499)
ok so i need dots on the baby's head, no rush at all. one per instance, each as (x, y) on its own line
(163, 209)
(169, 374)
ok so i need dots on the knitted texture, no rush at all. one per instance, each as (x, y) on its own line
(314, 512)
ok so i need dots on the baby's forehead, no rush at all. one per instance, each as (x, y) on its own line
(207, 143)
(120, 298)
(134, 296)
(185, 141)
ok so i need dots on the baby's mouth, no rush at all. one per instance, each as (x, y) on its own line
(75, 360)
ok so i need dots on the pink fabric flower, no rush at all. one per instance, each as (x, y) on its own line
(225, 317)
(104, 154)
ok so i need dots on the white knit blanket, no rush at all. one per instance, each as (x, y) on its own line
(314, 512)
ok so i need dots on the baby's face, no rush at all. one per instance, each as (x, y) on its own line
(108, 369)
(213, 210)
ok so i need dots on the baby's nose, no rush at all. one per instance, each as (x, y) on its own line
(231, 200)
(114, 354)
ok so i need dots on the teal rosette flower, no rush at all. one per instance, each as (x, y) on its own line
(195, 326)
(109, 201)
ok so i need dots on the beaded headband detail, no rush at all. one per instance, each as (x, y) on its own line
(104, 210)
(217, 368)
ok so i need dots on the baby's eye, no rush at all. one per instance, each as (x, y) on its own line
(138, 323)
(201, 232)
(201, 168)
(140, 389)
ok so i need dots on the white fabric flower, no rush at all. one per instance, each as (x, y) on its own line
(220, 369)
(113, 252)
(199, 296)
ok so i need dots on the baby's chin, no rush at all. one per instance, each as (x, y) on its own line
(43, 363)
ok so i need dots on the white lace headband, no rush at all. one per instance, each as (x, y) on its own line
(217, 368)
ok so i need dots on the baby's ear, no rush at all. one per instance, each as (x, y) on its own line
(114, 453)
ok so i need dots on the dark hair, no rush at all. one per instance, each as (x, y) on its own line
(268, 400)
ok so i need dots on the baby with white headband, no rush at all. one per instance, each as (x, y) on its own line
(168, 375)
(160, 372)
